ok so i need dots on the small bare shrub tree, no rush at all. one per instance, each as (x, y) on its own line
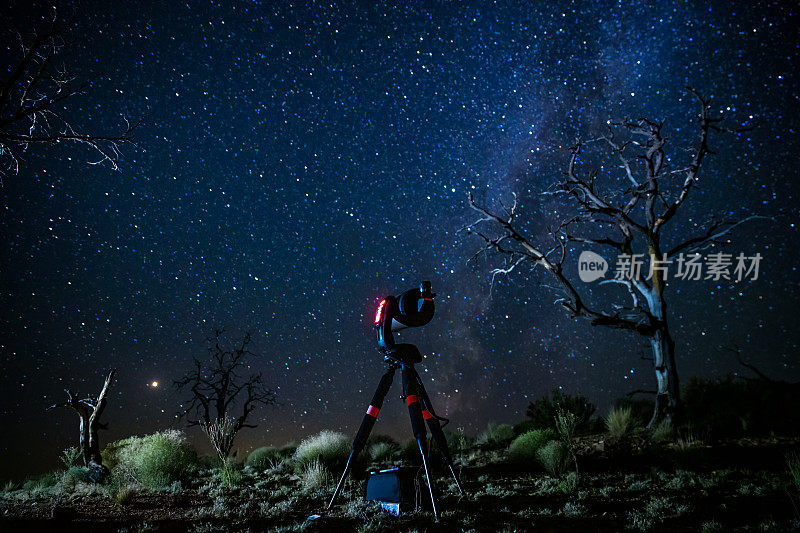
(219, 386)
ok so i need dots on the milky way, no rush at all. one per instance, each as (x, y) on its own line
(295, 163)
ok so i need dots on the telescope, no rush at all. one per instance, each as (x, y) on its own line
(414, 308)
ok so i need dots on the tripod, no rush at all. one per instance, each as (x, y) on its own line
(420, 410)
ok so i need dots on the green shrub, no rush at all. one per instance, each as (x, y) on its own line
(554, 457)
(496, 435)
(263, 458)
(9, 486)
(331, 449)
(655, 512)
(524, 448)
(39, 483)
(620, 422)
(569, 484)
(542, 412)
(711, 526)
(70, 457)
(566, 425)
(230, 473)
(77, 474)
(573, 509)
(793, 464)
(287, 451)
(155, 461)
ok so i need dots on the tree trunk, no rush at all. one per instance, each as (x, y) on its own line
(84, 439)
(89, 411)
(667, 402)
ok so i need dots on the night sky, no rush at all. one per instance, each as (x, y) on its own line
(295, 163)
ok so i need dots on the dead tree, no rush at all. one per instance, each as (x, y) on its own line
(629, 223)
(35, 100)
(218, 387)
(89, 410)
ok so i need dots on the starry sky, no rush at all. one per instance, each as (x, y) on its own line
(298, 161)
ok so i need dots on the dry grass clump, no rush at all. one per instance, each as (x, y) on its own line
(315, 476)
(663, 432)
(329, 448)
(620, 423)
(383, 452)
(124, 494)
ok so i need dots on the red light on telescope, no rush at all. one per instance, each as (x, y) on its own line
(379, 312)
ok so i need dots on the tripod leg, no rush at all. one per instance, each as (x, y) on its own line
(436, 429)
(410, 391)
(367, 424)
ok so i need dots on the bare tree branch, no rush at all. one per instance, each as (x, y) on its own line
(31, 100)
(616, 222)
(716, 230)
(632, 319)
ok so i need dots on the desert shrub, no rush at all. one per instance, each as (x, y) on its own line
(542, 412)
(567, 424)
(315, 476)
(655, 512)
(711, 526)
(620, 422)
(569, 484)
(39, 483)
(573, 509)
(524, 448)
(329, 448)
(793, 465)
(730, 408)
(287, 450)
(554, 457)
(496, 435)
(263, 457)
(155, 460)
(70, 457)
(230, 473)
(663, 432)
(382, 451)
(77, 474)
